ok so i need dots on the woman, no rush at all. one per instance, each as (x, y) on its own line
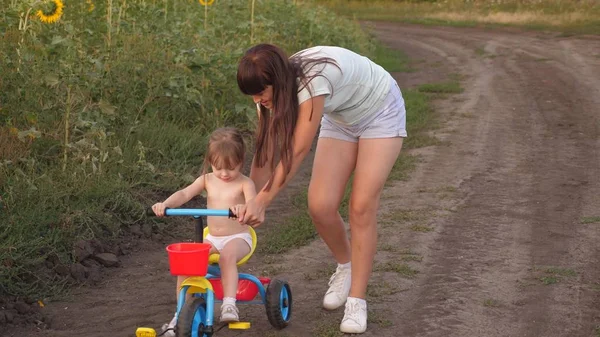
(361, 112)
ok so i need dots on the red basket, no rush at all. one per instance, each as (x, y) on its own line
(246, 291)
(188, 259)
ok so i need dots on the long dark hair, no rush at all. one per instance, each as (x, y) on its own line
(266, 64)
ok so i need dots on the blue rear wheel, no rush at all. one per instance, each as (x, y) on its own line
(279, 303)
(192, 319)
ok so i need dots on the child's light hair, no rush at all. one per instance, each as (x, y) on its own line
(226, 149)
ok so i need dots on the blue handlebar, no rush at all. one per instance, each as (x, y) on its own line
(197, 212)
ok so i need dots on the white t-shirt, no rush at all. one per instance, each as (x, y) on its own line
(352, 94)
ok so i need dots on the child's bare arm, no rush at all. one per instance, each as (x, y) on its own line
(249, 189)
(180, 197)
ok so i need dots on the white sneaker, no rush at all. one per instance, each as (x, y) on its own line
(229, 313)
(355, 316)
(168, 329)
(339, 287)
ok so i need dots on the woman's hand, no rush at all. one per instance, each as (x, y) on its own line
(237, 209)
(159, 209)
(253, 213)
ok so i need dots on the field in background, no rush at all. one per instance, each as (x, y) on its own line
(106, 111)
(568, 16)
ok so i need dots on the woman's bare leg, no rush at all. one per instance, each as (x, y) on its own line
(376, 157)
(375, 160)
(333, 164)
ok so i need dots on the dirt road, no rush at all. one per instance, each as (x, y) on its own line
(495, 234)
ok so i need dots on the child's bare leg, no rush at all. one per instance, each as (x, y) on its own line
(233, 251)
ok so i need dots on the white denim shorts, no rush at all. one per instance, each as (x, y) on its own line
(388, 122)
(220, 241)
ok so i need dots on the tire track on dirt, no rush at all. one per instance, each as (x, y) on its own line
(536, 146)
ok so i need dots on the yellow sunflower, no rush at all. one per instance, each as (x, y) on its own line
(54, 15)
(91, 5)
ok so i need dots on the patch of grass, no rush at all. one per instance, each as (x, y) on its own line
(272, 270)
(411, 257)
(375, 317)
(401, 269)
(597, 331)
(447, 189)
(421, 228)
(295, 231)
(570, 17)
(322, 273)
(560, 271)
(420, 117)
(490, 302)
(276, 334)
(424, 140)
(388, 248)
(590, 219)
(381, 289)
(392, 60)
(449, 87)
(407, 215)
(595, 286)
(403, 167)
(327, 329)
(553, 275)
(547, 280)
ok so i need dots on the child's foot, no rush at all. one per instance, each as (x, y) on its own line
(339, 287)
(355, 316)
(169, 328)
(229, 313)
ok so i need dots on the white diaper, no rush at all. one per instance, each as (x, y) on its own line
(220, 241)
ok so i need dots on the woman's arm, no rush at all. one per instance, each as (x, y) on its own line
(304, 134)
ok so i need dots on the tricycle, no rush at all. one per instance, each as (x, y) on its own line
(192, 259)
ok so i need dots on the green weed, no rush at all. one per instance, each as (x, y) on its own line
(401, 269)
(580, 17)
(490, 302)
(590, 219)
(391, 60)
(421, 228)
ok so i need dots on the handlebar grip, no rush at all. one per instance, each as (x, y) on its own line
(150, 212)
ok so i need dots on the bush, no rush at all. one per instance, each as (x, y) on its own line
(112, 104)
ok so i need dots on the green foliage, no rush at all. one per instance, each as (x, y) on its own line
(112, 104)
(571, 17)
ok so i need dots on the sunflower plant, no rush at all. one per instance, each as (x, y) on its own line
(52, 13)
